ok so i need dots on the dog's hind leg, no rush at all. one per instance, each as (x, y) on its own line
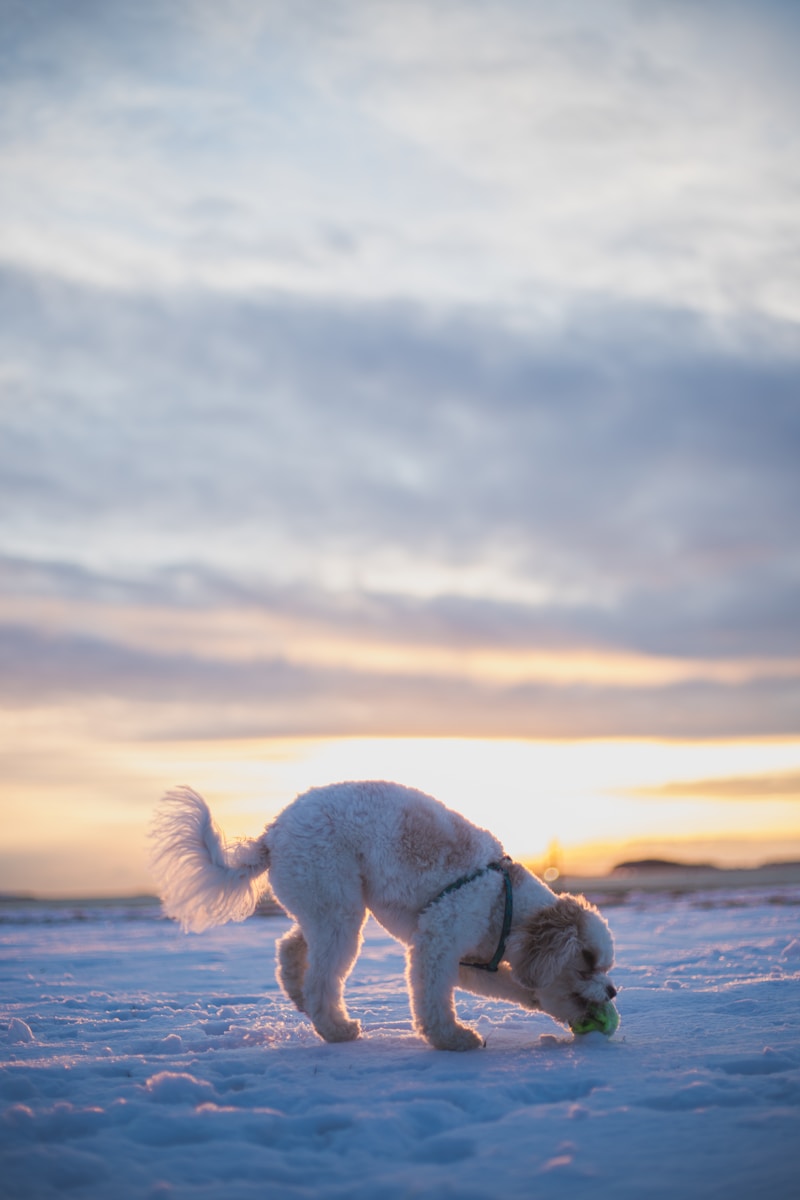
(333, 946)
(292, 953)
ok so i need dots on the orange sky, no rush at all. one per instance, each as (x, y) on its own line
(77, 797)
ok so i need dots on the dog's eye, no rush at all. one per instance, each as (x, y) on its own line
(589, 961)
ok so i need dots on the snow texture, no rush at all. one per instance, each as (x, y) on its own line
(141, 1062)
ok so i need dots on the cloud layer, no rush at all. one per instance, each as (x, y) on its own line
(408, 149)
(373, 477)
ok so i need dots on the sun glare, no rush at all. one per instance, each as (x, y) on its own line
(571, 806)
(591, 798)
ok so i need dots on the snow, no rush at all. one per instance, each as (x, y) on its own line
(141, 1062)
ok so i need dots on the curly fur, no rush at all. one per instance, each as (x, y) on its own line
(340, 851)
(203, 880)
(547, 942)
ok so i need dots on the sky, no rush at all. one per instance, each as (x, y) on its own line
(402, 389)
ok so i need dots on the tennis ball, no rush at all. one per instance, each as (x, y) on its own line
(601, 1018)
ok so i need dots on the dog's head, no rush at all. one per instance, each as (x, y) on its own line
(563, 954)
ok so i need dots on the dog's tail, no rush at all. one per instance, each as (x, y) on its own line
(202, 880)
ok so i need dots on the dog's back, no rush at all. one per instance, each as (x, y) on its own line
(401, 845)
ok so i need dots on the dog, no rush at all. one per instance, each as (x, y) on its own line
(469, 916)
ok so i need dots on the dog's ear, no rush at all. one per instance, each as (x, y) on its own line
(547, 943)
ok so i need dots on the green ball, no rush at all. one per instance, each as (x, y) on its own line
(601, 1018)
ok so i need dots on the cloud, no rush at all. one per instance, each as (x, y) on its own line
(626, 479)
(202, 688)
(783, 785)
(396, 328)
(408, 151)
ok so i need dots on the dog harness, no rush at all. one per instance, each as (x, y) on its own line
(507, 913)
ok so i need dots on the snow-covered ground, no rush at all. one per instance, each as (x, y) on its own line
(139, 1062)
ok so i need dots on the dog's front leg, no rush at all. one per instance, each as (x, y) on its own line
(432, 976)
(499, 985)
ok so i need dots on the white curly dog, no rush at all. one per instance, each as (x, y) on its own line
(470, 917)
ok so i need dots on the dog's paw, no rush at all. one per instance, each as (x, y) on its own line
(342, 1031)
(460, 1037)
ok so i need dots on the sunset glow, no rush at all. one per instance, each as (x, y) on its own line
(601, 801)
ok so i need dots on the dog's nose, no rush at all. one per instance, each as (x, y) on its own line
(611, 991)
